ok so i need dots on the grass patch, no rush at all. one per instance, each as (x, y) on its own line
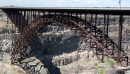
(108, 63)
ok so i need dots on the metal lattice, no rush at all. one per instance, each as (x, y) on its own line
(96, 40)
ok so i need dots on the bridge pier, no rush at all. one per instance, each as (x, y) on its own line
(120, 39)
(103, 54)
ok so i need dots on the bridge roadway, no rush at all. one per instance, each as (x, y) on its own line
(92, 10)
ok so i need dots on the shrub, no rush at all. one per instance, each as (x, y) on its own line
(101, 71)
(95, 64)
(107, 62)
(111, 62)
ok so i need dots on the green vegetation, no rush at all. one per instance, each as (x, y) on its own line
(108, 63)
(101, 70)
(95, 64)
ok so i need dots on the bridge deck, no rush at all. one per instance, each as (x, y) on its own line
(94, 10)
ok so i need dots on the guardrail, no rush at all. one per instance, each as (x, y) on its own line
(105, 8)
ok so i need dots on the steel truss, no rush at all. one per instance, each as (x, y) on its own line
(97, 40)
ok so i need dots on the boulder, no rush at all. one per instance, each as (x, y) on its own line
(10, 69)
(34, 66)
(6, 45)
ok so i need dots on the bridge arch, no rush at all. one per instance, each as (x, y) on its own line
(79, 26)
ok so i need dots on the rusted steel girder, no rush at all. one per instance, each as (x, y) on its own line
(85, 30)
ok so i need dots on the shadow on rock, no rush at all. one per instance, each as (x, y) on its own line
(49, 45)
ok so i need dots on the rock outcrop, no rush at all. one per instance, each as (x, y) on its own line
(6, 68)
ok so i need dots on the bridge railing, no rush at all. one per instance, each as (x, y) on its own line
(105, 8)
(108, 8)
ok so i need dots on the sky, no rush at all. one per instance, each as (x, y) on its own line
(65, 3)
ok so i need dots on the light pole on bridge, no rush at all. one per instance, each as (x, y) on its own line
(120, 3)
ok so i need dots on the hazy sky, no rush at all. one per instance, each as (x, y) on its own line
(65, 3)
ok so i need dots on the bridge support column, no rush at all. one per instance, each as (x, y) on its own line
(119, 39)
(21, 26)
(107, 28)
(96, 33)
(103, 54)
(91, 29)
(95, 23)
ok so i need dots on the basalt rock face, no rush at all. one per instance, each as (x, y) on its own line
(56, 49)
(5, 42)
(57, 43)
(5, 62)
(5, 47)
(62, 52)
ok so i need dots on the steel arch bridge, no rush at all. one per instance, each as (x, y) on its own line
(29, 20)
